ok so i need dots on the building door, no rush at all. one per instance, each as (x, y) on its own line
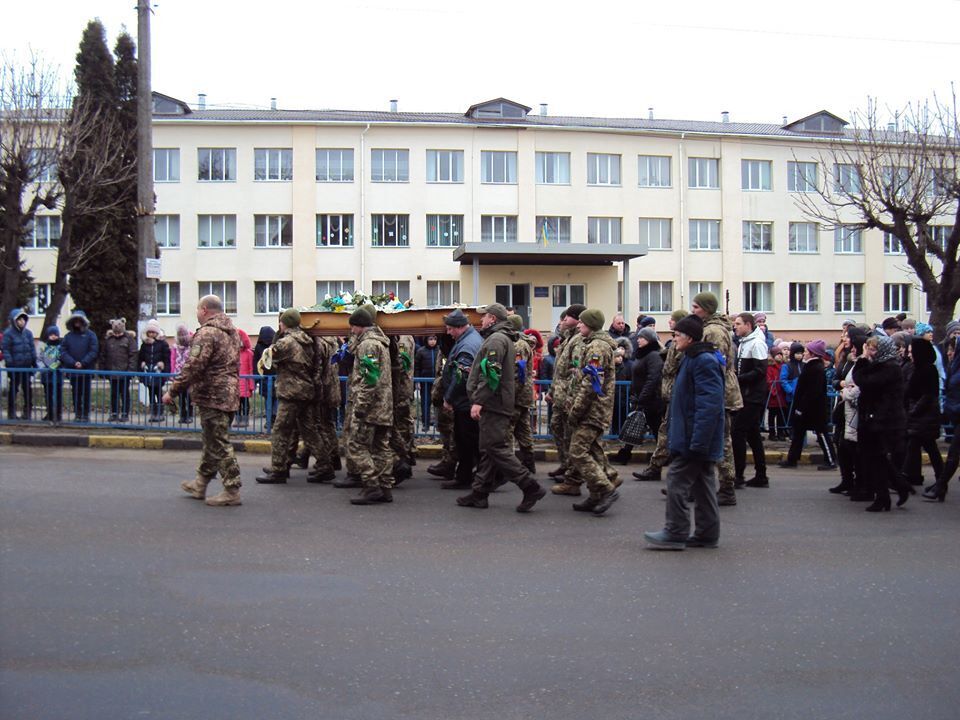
(563, 296)
(517, 297)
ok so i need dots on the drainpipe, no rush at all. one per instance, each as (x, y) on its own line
(363, 198)
(683, 226)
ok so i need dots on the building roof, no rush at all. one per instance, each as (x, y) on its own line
(530, 253)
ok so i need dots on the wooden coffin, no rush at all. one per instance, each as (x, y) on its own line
(417, 321)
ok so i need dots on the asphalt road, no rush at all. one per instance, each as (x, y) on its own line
(120, 597)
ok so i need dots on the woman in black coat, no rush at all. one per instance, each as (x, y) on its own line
(922, 403)
(882, 420)
(425, 366)
(809, 409)
(154, 358)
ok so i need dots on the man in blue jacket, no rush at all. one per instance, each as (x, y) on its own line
(78, 351)
(695, 441)
(19, 352)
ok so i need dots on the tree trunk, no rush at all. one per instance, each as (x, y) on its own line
(941, 312)
(61, 274)
(11, 254)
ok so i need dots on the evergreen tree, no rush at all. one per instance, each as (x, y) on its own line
(106, 287)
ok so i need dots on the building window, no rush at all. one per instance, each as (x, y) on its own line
(399, 288)
(37, 304)
(892, 244)
(757, 236)
(755, 174)
(699, 286)
(272, 296)
(656, 233)
(758, 297)
(704, 234)
(43, 162)
(802, 176)
(445, 166)
(566, 295)
(444, 230)
(216, 231)
(498, 228)
(166, 165)
(333, 288)
(334, 230)
(704, 172)
(847, 240)
(848, 298)
(390, 230)
(390, 166)
(603, 169)
(167, 230)
(603, 230)
(656, 296)
(896, 297)
(553, 230)
(272, 164)
(168, 298)
(334, 165)
(498, 167)
(804, 297)
(442, 292)
(804, 237)
(939, 236)
(654, 171)
(553, 168)
(217, 164)
(272, 231)
(43, 232)
(846, 178)
(226, 290)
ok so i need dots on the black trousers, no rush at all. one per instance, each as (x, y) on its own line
(823, 439)
(19, 380)
(953, 456)
(912, 463)
(746, 430)
(883, 453)
(466, 433)
(120, 396)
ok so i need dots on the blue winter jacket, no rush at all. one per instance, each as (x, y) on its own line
(79, 346)
(951, 391)
(18, 348)
(697, 406)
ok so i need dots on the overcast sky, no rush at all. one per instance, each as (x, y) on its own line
(689, 59)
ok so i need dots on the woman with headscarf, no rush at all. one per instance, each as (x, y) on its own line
(882, 421)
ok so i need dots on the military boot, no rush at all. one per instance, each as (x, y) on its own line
(227, 496)
(272, 477)
(532, 494)
(350, 481)
(557, 472)
(369, 496)
(321, 475)
(442, 470)
(196, 488)
(605, 501)
(337, 462)
(566, 488)
(586, 505)
(650, 474)
(401, 471)
(386, 495)
(474, 499)
(726, 497)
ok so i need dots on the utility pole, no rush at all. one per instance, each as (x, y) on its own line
(146, 240)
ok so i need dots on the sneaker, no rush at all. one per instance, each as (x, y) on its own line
(532, 494)
(662, 541)
(605, 501)
(227, 497)
(566, 488)
(694, 542)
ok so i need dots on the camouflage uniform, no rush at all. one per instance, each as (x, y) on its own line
(347, 430)
(371, 415)
(401, 373)
(671, 366)
(328, 401)
(448, 446)
(718, 331)
(521, 432)
(294, 358)
(591, 412)
(562, 372)
(210, 373)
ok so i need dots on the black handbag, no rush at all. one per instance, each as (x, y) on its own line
(634, 428)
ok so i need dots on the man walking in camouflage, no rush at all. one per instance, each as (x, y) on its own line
(520, 431)
(491, 387)
(568, 483)
(718, 331)
(592, 394)
(371, 403)
(210, 373)
(294, 360)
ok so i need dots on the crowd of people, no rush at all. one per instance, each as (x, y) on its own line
(874, 403)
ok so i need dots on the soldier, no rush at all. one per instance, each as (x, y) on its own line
(344, 356)
(492, 390)
(211, 374)
(371, 402)
(718, 331)
(563, 369)
(402, 431)
(445, 421)
(327, 403)
(293, 357)
(521, 432)
(671, 365)
(466, 430)
(591, 409)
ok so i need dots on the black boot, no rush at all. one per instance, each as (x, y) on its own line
(370, 496)
(350, 481)
(623, 455)
(650, 474)
(605, 501)
(321, 476)
(936, 492)
(474, 499)
(760, 480)
(401, 471)
(586, 505)
(272, 477)
(337, 463)
(532, 494)
(881, 504)
(443, 470)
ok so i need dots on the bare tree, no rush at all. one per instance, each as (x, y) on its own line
(904, 179)
(94, 170)
(31, 132)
